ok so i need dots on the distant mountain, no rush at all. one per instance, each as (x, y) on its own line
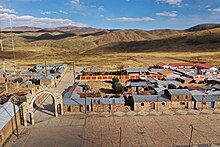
(203, 27)
(22, 29)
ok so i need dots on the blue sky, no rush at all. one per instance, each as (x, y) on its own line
(117, 14)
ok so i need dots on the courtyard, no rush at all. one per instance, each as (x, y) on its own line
(104, 130)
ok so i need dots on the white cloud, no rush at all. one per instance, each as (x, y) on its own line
(101, 8)
(171, 2)
(37, 21)
(215, 10)
(167, 14)
(131, 19)
(54, 12)
(75, 2)
(5, 10)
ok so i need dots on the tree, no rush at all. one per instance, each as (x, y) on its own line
(115, 80)
(19, 80)
(52, 71)
(171, 86)
(118, 88)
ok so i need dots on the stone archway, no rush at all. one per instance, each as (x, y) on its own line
(28, 106)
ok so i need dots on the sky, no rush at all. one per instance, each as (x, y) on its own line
(110, 14)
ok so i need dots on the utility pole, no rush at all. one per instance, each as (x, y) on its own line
(12, 38)
(16, 123)
(1, 39)
(120, 131)
(85, 101)
(190, 139)
(3, 64)
(45, 66)
(202, 102)
(6, 84)
(157, 102)
(74, 73)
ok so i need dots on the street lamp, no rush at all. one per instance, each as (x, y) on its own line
(15, 116)
(120, 131)
(190, 139)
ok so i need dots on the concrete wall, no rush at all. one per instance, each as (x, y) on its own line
(152, 106)
(181, 104)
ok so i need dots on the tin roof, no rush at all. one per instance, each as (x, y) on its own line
(179, 91)
(7, 113)
(150, 98)
(138, 84)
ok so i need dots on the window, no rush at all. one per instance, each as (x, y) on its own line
(142, 104)
(177, 96)
(182, 103)
(68, 108)
(163, 103)
(186, 96)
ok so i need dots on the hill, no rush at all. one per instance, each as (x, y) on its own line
(74, 43)
(203, 27)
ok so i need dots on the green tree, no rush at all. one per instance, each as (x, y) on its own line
(115, 80)
(19, 80)
(118, 88)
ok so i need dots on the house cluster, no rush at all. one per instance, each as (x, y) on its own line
(41, 74)
(159, 87)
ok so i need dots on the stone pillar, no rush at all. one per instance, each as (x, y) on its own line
(32, 118)
(55, 110)
(25, 119)
(61, 109)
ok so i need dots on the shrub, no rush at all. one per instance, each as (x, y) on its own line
(19, 80)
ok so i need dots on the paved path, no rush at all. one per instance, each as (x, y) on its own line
(93, 131)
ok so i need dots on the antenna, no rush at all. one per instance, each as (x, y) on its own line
(1, 41)
(12, 40)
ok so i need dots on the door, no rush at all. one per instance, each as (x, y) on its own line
(187, 105)
(152, 105)
(212, 104)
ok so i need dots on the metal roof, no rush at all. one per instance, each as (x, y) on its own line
(71, 94)
(206, 98)
(196, 92)
(137, 70)
(138, 84)
(7, 113)
(76, 101)
(150, 98)
(179, 91)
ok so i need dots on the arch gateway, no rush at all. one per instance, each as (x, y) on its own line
(28, 106)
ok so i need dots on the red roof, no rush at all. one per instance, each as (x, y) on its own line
(160, 64)
(202, 65)
(182, 64)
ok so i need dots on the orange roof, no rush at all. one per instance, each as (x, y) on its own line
(182, 64)
(202, 65)
(166, 72)
(160, 64)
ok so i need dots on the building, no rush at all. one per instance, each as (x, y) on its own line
(8, 121)
(202, 100)
(137, 87)
(151, 102)
(180, 98)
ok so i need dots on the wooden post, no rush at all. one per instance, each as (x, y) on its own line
(120, 131)
(74, 73)
(15, 116)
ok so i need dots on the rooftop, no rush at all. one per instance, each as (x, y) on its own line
(179, 91)
(7, 113)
